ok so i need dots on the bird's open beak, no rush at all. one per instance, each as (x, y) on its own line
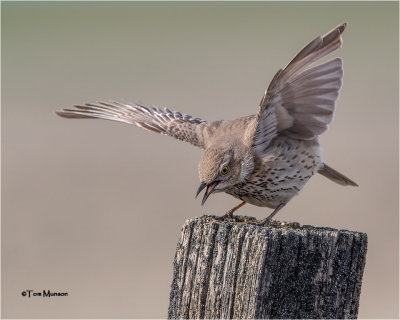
(210, 188)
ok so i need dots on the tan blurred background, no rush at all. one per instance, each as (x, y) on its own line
(95, 208)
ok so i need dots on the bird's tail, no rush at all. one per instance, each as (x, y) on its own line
(336, 176)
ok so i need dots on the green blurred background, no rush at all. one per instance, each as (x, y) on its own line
(94, 208)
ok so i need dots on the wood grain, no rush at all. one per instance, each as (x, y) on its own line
(240, 270)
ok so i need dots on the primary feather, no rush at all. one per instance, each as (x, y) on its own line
(300, 100)
(164, 121)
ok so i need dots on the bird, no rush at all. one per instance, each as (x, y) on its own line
(264, 159)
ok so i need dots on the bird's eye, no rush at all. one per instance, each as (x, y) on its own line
(224, 170)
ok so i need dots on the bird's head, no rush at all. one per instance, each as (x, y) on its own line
(221, 168)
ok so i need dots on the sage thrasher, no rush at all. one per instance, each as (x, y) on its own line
(263, 159)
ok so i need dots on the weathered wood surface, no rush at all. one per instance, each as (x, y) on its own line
(240, 270)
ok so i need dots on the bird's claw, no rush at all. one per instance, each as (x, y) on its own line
(227, 216)
(264, 222)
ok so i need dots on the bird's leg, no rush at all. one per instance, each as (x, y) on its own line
(269, 218)
(229, 214)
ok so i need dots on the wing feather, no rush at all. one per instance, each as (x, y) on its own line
(300, 100)
(164, 121)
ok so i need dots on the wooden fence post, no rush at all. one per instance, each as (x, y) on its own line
(240, 270)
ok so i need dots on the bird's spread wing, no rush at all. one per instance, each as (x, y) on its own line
(164, 121)
(300, 100)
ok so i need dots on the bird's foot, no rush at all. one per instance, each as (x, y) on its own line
(227, 216)
(267, 221)
(264, 222)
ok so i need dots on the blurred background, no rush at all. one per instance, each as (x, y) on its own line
(95, 208)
